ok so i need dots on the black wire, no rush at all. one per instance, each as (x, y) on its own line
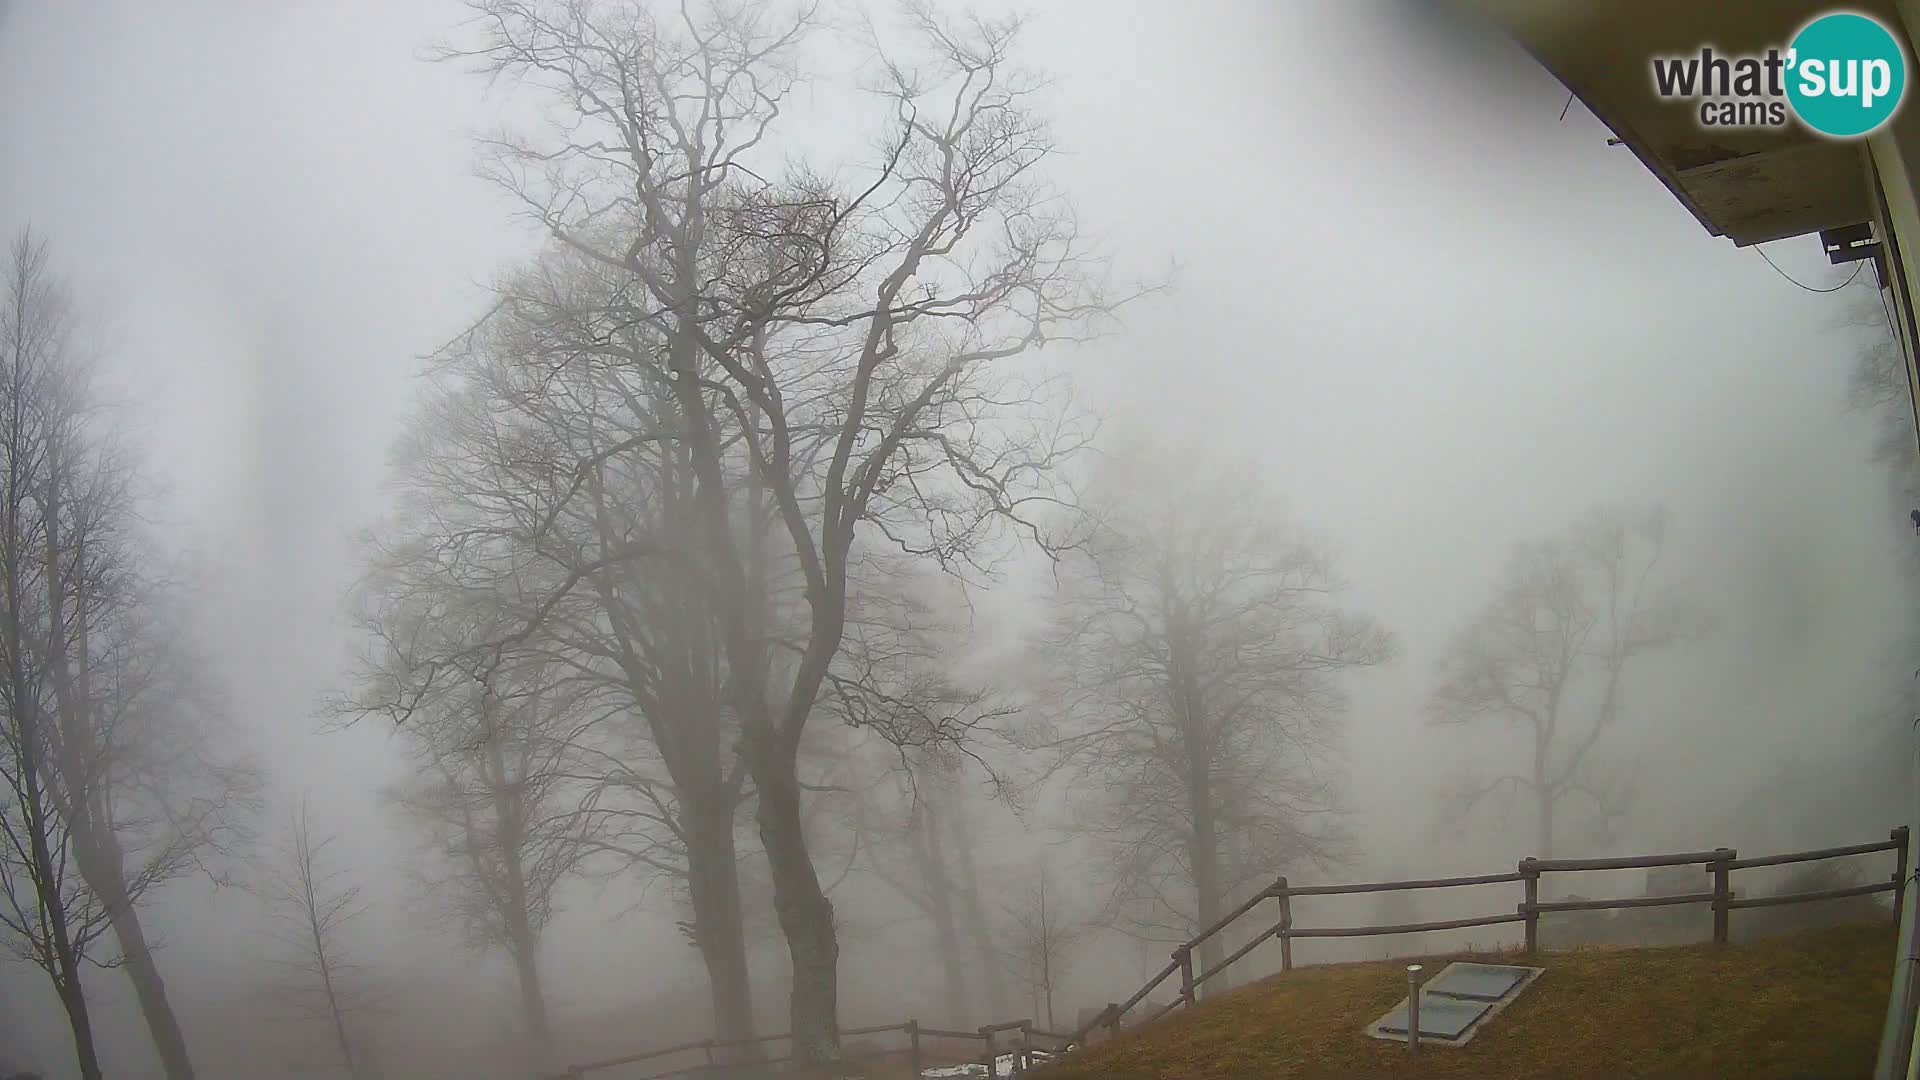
(1568, 105)
(1862, 265)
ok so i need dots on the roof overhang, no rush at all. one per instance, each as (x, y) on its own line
(1749, 185)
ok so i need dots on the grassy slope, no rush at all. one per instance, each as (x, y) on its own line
(1805, 1004)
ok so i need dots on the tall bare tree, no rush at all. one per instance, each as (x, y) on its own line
(494, 803)
(313, 908)
(894, 682)
(1199, 652)
(1043, 931)
(958, 817)
(52, 915)
(119, 766)
(1549, 655)
(908, 853)
(146, 771)
(870, 322)
(536, 505)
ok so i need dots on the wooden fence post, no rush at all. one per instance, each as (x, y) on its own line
(913, 1047)
(1184, 956)
(708, 1047)
(1286, 923)
(1025, 1059)
(1900, 871)
(1531, 869)
(993, 1070)
(1722, 893)
(1113, 1019)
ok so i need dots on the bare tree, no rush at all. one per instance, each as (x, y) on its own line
(973, 905)
(120, 768)
(313, 908)
(146, 773)
(493, 802)
(533, 509)
(908, 853)
(1549, 655)
(1879, 388)
(894, 679)
(52, 915)
(917, 836)
(1199, 652)
(790, 314)
(1043, 931)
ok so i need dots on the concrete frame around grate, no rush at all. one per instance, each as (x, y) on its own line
(1494, 1008)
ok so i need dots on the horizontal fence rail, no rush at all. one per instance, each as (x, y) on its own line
(1403, 928)
(1630, 862)
(1401, 886)
(1623, 902)
(1023, 1048)
(1020, 1035)
(1720, 862)
(1818, 894)
(1821, 853)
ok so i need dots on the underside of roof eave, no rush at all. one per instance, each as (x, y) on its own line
(1750, 186)
(1628, 138)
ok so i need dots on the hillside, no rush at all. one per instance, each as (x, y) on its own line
(1803, 1004)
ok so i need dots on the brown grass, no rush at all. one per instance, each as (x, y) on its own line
(1808, 1004)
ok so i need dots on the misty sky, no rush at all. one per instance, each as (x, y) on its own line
(1436, 316)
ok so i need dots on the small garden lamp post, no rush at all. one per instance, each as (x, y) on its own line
(1413, 1008)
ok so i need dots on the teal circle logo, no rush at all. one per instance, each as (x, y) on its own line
(1846, 74)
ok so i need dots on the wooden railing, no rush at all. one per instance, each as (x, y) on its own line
(1720, 862)
(1018, 1036)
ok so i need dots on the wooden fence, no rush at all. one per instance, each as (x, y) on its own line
(1018, 1036)
(1720, 862)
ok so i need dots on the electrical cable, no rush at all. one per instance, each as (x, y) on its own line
(1776, 269)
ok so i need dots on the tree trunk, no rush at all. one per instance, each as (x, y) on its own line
(74, 1000)
(333, 1000)
(52, 904)
(1048, 944)
(1543, 794)
(1203, 845)
(102, 865)
(719, 925)
(993, 979)
(533, 999)
(325, 963)
(806, 915)
(168, 1040)
(683, 716)
(510, 834)
(1204, 854)
(933, 873)
(1049, 978)
(46, 876)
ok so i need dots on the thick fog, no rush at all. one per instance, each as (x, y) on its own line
(1417, 309)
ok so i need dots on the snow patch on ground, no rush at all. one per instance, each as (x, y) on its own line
(1002, 1066)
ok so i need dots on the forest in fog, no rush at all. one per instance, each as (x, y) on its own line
(536, 529)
